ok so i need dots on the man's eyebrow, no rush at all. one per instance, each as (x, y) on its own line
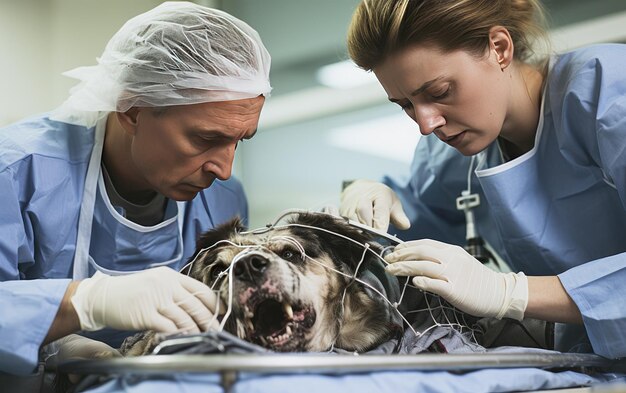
(421, 89)
(220, 134)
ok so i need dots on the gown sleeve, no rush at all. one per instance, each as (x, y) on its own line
(28, 307)
(592, 88)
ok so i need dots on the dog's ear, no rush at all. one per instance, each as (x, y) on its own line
(212, 236)
(222, 232)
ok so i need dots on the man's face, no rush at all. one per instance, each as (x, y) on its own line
(182, 150)
(460, 98)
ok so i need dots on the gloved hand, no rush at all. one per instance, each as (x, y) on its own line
(373, 204)
(74, 346)
(450, 272)
(158, 299)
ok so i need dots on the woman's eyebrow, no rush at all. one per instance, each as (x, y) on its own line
(420, 89)
(426, 85)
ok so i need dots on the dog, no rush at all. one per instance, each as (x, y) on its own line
(313, 284)
(316, 284)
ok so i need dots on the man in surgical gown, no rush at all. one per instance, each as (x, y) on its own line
(123, 177)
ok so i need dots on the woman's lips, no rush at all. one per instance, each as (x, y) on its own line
(456, 139)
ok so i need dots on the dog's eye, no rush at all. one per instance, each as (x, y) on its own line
(288, 255)
(215, 272)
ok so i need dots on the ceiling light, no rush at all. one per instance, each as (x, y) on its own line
(391, 137)
(344, 75)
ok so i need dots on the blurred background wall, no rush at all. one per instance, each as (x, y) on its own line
(322, 125)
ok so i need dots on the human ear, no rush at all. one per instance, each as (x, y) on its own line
(501, 45)
(128, 120)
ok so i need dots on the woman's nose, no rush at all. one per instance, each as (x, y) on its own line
(428, 119)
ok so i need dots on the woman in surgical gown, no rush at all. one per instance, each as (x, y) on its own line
(63, 217)
(542, 143)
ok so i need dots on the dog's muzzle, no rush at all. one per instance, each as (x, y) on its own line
(250, 267)
(270, 316)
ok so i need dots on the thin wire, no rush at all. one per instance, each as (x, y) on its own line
(345, 290)
(236, 259)
(369, 286)
(190, 264)
(293, 241)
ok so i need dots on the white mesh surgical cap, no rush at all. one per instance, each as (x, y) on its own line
(175, 54)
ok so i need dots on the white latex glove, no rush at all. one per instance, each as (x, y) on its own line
(373, 204)
(74, 346)
(159, 299)
(450, 272)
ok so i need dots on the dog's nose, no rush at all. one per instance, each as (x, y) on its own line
(250, 266)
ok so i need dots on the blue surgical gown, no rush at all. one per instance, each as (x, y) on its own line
(43, 164)
(559, 209)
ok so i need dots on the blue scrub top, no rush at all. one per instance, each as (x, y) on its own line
(559, 209)
(43, 165)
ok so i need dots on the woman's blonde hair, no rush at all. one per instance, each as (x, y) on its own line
(382, 27)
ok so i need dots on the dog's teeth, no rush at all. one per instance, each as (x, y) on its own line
(263, 340)
(288, 330)
(288, 310)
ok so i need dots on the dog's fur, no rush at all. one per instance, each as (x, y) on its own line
(285, 302)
